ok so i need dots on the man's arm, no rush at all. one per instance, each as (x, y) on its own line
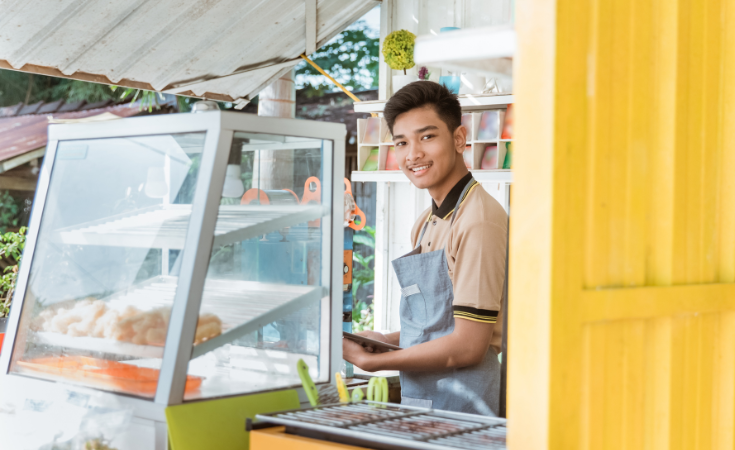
(465, 346)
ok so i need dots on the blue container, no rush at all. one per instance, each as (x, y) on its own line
(451, 82)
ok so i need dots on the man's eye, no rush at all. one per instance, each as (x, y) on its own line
(400, 144)
(428, 136)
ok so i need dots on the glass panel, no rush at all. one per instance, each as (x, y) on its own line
(104, 271)
(269, 269)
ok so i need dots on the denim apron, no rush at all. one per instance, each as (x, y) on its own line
(426, 314)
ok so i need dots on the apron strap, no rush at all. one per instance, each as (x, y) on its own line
(459, 200)
(454, 214)
(421, 236)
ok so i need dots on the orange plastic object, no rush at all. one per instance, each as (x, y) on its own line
(358, 212)
(294, 194)
(276, 438)
(253, 194)
(310, 196)
(104, 374)
(2, 338)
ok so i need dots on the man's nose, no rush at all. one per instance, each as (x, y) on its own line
(414, 153)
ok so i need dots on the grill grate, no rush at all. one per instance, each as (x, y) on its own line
(383, 425)
(492, 438)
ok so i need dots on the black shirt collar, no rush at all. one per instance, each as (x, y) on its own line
(451, 200)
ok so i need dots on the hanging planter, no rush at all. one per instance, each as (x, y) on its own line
(398, 54)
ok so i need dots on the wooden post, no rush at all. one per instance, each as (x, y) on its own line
(274, 168)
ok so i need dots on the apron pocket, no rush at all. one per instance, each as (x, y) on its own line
(417, 402)
(413, 311)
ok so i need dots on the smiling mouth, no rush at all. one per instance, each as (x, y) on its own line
(420, 168)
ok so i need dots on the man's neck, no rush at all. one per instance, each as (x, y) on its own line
(440, 190)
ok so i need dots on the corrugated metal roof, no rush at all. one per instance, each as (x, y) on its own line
(220, 49)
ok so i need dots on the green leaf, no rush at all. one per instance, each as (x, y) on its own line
(369, 230)
(365, 262)
(363, 275)
(364, 240)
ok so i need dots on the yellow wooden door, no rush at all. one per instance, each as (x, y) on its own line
(622, 270)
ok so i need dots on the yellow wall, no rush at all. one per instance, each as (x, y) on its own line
(622, 271)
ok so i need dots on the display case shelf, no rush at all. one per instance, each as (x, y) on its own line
(165, 226)
(243, 306)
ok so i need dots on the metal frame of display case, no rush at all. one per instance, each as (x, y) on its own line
(220, 127)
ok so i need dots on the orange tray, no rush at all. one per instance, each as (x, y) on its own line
(105, 374)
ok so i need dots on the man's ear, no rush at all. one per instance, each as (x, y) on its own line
(460, 139)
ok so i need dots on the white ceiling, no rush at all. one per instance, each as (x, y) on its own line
(219, 49)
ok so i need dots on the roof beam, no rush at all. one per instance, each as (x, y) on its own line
(19, 160)
(311, 25)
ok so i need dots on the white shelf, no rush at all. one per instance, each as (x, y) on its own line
(483, 176)
(94, 344)
(243, 307)
(165, 226)
(486, 51)
(468, 102)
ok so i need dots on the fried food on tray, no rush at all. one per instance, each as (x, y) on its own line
(208, 327)
(92, 317)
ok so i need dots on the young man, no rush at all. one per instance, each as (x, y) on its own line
(452, 283)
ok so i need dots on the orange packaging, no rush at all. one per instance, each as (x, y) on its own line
(104, 374)
(347, 268)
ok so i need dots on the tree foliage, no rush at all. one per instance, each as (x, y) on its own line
(363, 313)
(20, 87)
(11, 251)
(351, 58)
(17, 87)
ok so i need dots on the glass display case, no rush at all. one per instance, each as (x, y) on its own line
(181, 257)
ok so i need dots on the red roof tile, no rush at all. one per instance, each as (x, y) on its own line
(19, 135)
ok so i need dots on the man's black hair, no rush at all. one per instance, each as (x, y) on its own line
(420, 94)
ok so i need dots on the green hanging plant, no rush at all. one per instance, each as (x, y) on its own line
(398, 50)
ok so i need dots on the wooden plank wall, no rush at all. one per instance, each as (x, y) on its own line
(622, 321)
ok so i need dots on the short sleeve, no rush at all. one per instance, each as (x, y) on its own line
(478, 253)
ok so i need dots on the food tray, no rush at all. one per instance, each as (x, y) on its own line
(243, 307)
(389, 426)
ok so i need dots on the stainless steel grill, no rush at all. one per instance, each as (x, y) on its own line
(389, 426)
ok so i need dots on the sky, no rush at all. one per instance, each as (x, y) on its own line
(373, 20)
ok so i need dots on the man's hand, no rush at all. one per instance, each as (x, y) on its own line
(353, 352)
(374, 335)
(466, 346)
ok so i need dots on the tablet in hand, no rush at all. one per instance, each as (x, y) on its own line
(367, 342)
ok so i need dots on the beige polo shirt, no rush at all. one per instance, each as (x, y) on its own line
(475, 248)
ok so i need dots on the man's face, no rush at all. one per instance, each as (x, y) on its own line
(426, 150)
